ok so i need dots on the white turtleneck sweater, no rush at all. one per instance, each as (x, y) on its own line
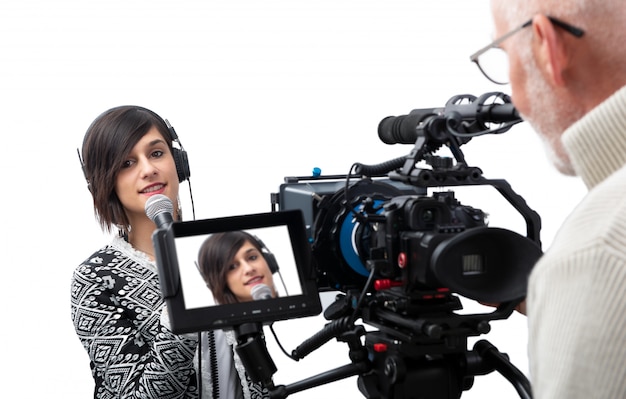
(577, 291)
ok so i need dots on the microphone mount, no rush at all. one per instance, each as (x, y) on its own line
(463, 117)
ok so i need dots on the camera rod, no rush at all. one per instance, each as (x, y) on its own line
(359, 366)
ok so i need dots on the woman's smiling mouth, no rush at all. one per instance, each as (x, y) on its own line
(153, 188)
(254, 280)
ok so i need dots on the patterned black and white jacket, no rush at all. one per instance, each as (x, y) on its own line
(116, 307)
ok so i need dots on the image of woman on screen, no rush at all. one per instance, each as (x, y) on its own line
(237, 267)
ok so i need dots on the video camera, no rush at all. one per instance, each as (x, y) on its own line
(400, 257)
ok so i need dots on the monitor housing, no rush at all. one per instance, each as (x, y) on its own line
(190, 303)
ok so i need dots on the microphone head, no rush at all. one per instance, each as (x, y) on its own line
(261, 291)
(158, 204)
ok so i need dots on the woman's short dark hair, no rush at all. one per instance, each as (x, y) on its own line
(107, 143)
(214, 257)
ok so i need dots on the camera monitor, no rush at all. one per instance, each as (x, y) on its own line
(267, 253)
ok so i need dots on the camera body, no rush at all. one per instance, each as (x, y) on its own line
(410, 239)
(334, 234)
(414, 226)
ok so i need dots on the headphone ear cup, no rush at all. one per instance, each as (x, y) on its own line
(269, 257)
(271, 261)
(82, 166)
(182, 164)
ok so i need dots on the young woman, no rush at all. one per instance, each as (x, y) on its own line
(117, 307)
(232, 264)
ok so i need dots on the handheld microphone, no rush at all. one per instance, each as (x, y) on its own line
(159, 209)
(261, 291)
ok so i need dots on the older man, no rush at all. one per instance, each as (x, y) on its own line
(567, 69)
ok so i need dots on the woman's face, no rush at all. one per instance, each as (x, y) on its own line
(247, 269)
(149, 169)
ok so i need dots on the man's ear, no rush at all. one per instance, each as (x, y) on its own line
(549, 49)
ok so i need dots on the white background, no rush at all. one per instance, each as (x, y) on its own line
(257, 90)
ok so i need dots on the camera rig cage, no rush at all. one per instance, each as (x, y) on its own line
(400, 258)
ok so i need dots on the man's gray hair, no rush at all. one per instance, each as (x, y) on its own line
(602, 21)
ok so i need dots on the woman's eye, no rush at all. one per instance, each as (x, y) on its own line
(128, 163)
(232, 266)
(157, 154)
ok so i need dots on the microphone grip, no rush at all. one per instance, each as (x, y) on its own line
(163, 219)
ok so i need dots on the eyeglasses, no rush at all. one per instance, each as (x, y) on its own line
(495, 64)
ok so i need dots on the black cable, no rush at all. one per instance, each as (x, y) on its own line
(200, 364)
(502, 364)
(279, 344)
(357, 215)
(380, 169)
(368, 284)
(347, 186)
(213, 364)
(193, 207)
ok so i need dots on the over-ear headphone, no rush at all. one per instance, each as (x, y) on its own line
(82, 166)
(269, 257)
(180, 155)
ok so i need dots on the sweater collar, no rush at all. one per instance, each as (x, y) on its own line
(136, 255)
(596, 143)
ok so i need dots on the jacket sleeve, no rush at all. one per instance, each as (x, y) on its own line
(116, 308)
